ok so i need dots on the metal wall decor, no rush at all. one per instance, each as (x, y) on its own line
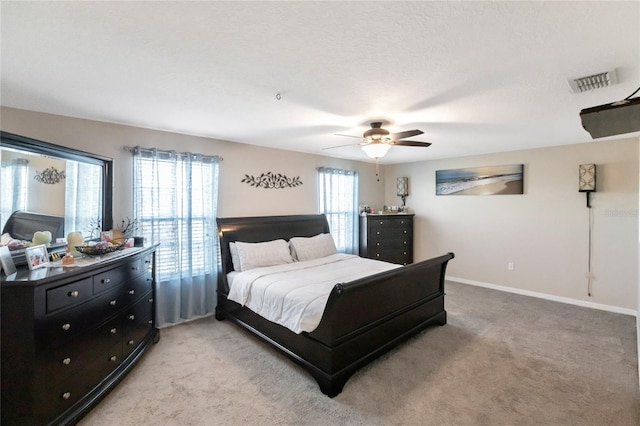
(271, 180)
(50, 176)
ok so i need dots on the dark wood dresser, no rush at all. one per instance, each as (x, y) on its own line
(387, 237)
(70, 334)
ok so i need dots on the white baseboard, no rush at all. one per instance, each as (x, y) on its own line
(567, 300)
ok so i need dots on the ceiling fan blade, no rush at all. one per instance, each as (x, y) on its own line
(406, 134)
(412, 143)
(341, 146)
(349, 136)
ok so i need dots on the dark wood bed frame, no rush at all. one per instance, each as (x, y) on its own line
(363, 319)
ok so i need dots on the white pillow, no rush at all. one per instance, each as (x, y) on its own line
(309, 248)
(256, 255)
(234, 257)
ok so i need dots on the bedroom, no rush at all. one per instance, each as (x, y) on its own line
(544, 232)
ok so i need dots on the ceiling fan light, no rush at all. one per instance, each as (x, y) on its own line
(376, 150)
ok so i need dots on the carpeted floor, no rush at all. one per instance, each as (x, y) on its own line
(502, 359)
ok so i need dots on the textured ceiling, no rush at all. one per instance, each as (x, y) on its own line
(476, 77)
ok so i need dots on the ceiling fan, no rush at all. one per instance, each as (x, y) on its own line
(376, 141)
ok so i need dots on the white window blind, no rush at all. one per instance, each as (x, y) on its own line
(338, 200)
(175, 202)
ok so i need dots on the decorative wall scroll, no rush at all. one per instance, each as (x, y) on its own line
(492, 180)
(271, 180)
(50, 176)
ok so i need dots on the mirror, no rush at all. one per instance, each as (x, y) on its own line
(57, 185)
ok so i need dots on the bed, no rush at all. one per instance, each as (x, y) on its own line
(363, 318)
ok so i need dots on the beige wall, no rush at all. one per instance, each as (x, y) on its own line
(235, 198)
(543, 232)
(41, 197)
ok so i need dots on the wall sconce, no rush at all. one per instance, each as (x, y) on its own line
(402, 185)
(587, 180)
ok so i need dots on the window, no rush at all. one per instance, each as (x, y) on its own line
(338, 199)
(83, 197)
(175, 201)
(14, 188)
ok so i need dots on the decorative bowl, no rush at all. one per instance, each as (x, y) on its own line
(99, 250)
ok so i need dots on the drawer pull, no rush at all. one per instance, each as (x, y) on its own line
(377, 244)
(377, 232)
(130, 342)
(132, 292)
(66, 361)
(113, 358)
(151, 300)
(66, 326)
(135, 268)
(113, 330)
(113, 303)
(402, 221)
(66, 395)
(150, 322)
(132, 317)
(405, 231)
(147, 261)
(74, 293)
(377, 254)
(405, 252)
(105, 280)
(381, 222)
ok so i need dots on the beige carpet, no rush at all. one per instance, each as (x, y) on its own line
(502, 359)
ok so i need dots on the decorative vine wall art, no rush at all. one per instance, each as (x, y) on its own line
(50, 176)
(271, 180)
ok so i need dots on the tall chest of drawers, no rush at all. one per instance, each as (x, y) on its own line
(69, 335)
(387, 237)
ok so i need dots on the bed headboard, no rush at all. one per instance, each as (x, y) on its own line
(263, 228)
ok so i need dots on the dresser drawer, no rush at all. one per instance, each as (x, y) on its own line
(116, 276)
(69, 294)
(57, 329)
(134, 338)
(56, 397)
(389, 232)
(391, 243)
(68, 359)
(140, 312)
(140, 319)
(137, 287)
(390, 223)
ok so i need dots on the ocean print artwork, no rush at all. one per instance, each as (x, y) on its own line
(492, 180)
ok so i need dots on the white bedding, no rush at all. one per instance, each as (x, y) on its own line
(294, 295)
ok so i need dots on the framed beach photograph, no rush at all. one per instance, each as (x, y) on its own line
(491, 180)
(37, 256)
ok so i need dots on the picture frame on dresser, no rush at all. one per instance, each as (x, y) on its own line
(8, 266)
(37, 257)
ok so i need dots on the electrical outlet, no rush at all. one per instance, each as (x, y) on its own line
(511, 266)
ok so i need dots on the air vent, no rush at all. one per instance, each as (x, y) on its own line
(592, 82)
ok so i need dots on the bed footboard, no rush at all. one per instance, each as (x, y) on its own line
(368, 317)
